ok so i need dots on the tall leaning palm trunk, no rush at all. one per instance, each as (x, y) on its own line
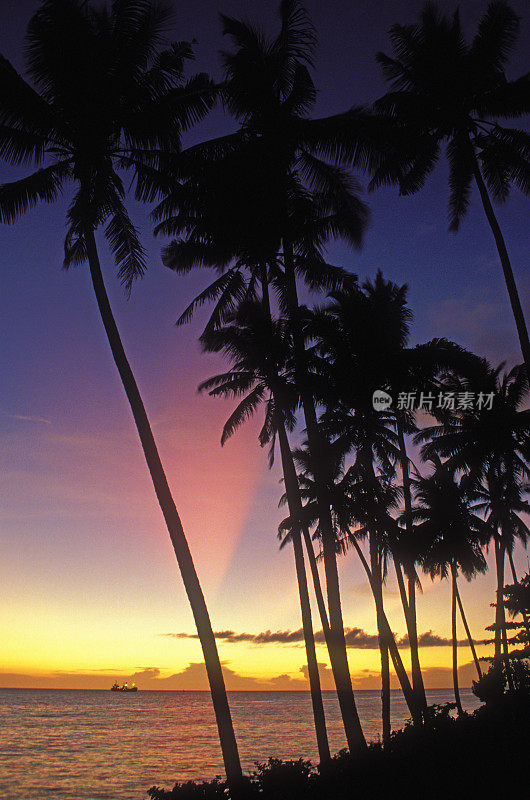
(409, 601)
(511, 286)
(468, 633)
(454, 639)
(397, 661)
(375, 564)
(317, 447)
(189, 575)
(295, 512)
(501, 635)
(294, 502)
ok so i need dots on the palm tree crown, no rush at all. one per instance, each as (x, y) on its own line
(107, 99)
(447, 90)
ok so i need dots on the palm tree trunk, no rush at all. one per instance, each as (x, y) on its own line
(295, 510)
(317, 447)
(506, 266)
(375, 564)
(409, 608)
(307, 538)
(501, 636)
(524, 615)
(184, 559)
(397, 661)
(499, 606)
(321, 605)
(468, 633)
(454, 639)
(512, 566)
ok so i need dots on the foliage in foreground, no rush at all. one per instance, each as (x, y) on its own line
(449, 758)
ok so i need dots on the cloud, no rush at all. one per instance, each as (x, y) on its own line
(360, 640)
(430, 639)
(194, 678)
(356, 638)
(265, 637)
(148, 673)
(27, 418)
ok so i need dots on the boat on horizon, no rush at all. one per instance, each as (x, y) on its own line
(125, 688)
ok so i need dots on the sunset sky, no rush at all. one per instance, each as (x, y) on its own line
(90, 586)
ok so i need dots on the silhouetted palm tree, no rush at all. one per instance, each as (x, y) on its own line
(109, 99)
(451, 537)
(371, 499)
(363, 335)
(490, 441)
(269, 90)
(259, 350)
(500, 499)
(355, 500)
(445, 90)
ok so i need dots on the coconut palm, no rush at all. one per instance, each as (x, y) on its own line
(500, 500)
(355, 499)
(107, 99)
(451, 536)
(259, 350)
(445, 90)
(269, 91)
(363, 336)
(490, 441)
(371, 499)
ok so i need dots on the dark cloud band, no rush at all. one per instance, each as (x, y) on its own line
(356, 638)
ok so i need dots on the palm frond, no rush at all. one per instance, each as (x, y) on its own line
(125, 244)
(497, 33)
(45, 185)
(244, 411)
(206, 296)
(460, 160)
(139, 28)
(21, 107)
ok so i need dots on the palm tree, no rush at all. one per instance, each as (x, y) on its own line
(489, 441)
(358, 496)
(446, 90)
(363, 337)
(452, 536)
(259, 350)
(372, 497)
(108, 98)
(269, 90)
(500, 500)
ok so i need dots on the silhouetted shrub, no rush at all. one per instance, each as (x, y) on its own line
(189, 790)
(283, 780)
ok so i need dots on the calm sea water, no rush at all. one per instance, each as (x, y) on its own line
(102, 745)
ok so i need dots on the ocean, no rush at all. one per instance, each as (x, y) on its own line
(102, 745)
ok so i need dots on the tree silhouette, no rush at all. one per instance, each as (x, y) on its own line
(363, 336)
(269, 90)
(445, 90)
(259, 350)
(109, 99)
(492, 446)
(452, 536)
